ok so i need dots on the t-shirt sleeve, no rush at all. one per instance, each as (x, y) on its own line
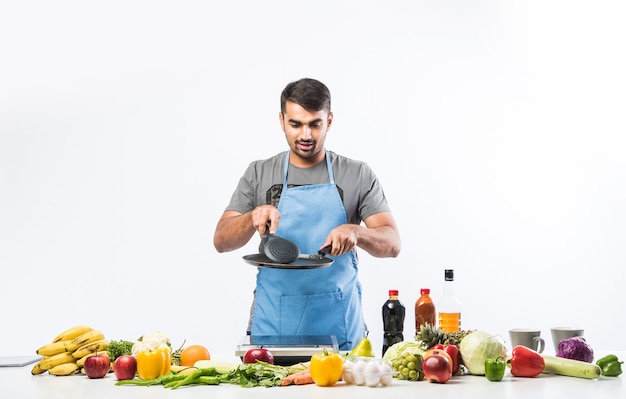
(243, 199)
(373, 199)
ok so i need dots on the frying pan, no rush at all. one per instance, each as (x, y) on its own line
(281, 250)
(278, 252)
(261, 260)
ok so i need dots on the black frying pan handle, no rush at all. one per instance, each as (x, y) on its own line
(325, 251)
(264, 239)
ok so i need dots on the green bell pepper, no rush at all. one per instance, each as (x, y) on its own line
(494, 368)
(606, 360)
(610, 365)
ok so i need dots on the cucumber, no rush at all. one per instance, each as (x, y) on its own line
(221, 367)
(570, 367)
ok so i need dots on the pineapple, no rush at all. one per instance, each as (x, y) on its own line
(430, 336)
(455, 338)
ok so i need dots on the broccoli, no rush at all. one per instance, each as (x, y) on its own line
(119, 348)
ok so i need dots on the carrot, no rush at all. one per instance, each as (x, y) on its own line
(302, 377)
(287, 380)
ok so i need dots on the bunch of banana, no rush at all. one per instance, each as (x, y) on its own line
(67, 352)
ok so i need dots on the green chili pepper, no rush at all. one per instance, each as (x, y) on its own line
(208, 380)
(140, 382)
(193, 377)
(165, 379)
(494, 368)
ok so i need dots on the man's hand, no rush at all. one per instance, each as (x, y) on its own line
(342, 239)
(379, 237)
(265, 219)
(234, 229)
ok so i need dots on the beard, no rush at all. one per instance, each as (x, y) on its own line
(305, 148)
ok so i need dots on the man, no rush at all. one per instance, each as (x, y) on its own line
(316, 199)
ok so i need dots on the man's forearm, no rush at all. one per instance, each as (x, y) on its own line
(233, 231)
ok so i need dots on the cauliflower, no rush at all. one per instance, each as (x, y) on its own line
(150, 342)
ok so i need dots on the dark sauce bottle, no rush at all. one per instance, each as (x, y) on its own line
(393, 320)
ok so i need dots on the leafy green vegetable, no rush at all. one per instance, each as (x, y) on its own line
(399, 349)
(119, 348)
(259, 374)
(479, 346)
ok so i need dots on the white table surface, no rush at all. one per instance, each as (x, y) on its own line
(17, 382)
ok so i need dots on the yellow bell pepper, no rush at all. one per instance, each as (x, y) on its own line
(326, 368)
(154, 363)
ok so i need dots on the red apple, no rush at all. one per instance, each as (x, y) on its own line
(443, 353)
(254, 354)
(97, 366)
(437, 368)
(454, 353)
(125, 367)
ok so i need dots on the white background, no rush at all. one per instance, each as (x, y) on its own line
(497, 129)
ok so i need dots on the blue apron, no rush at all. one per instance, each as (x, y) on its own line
(325, 301)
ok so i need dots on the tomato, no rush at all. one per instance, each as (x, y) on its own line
(191, 354)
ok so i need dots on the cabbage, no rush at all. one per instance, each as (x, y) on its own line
(575, 348)
(479, 346)
(399, 348)
(399, 354)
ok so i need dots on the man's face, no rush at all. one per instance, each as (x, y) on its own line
(305, 133)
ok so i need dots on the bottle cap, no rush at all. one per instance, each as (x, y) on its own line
(425, 291)
(393, 292)
(449, 275)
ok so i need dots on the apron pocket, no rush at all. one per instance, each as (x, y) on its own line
(322, 314)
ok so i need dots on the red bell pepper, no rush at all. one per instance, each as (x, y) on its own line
(526, 362)
(454, 353)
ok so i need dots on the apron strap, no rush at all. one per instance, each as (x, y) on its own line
(331, 176)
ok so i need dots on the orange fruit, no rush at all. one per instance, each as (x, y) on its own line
(191, 354)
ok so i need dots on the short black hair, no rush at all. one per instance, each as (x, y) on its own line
(310, 94)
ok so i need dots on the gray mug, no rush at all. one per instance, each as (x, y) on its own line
(561, 333)
(530, 338)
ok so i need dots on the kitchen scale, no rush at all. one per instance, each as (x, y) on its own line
(289, 349)
(18, 361)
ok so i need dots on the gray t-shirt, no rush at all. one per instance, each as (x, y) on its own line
(360, 190)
